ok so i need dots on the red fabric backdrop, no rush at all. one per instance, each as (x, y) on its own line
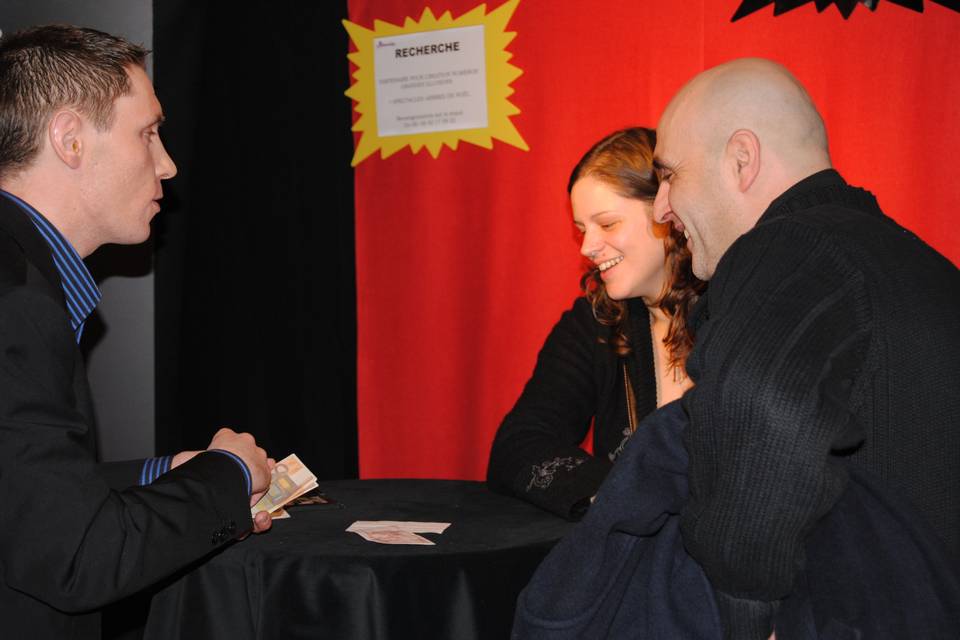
(464, 262)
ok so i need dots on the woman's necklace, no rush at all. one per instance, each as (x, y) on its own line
(656, 358)
(663, 370)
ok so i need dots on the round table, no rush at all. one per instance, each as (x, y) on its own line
(309, 578)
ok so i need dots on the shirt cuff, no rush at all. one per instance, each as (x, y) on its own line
(243, 467)
(153, 468)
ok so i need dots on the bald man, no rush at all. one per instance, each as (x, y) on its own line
(829, 337)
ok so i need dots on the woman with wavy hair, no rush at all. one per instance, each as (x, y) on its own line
(619, 352)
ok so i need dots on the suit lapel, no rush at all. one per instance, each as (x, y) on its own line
(18, 226)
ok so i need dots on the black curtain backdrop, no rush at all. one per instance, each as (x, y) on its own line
(255, 277)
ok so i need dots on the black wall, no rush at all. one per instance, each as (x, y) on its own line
(255, 293)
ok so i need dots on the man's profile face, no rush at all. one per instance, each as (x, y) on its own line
(690, 194)
(125, 163)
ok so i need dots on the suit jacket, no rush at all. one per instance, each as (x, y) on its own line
(74, 534)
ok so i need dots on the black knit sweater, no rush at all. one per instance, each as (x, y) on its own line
(828, 331)
(536, 454)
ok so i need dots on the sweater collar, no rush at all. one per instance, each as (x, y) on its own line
(823, 187)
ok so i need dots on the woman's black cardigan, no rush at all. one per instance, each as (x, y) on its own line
(578, 379)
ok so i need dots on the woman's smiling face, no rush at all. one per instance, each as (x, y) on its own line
(621, 238)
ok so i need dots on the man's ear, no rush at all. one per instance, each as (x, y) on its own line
(743, 151)
(65, 138)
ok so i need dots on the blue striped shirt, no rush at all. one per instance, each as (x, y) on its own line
(79, 289)
(82, 296)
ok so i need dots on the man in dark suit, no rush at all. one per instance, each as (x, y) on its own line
(81, 165)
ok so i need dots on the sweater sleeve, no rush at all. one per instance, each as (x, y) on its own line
(536, 454)
(778, 367)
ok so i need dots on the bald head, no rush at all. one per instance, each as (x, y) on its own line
(756, 95)
(734, 138)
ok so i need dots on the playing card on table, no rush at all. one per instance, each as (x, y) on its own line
(392, 536)
(289, 479)
(403, 525)
(396, 532)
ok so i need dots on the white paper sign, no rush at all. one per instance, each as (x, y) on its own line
(431, 81)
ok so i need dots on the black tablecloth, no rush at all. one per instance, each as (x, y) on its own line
(308, 578)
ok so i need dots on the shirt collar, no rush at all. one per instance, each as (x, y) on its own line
(80, 291)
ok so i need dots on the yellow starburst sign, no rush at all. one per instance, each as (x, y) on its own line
(434, 82)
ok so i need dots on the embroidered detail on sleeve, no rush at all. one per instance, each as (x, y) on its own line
(543, 474)
(613, 455)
